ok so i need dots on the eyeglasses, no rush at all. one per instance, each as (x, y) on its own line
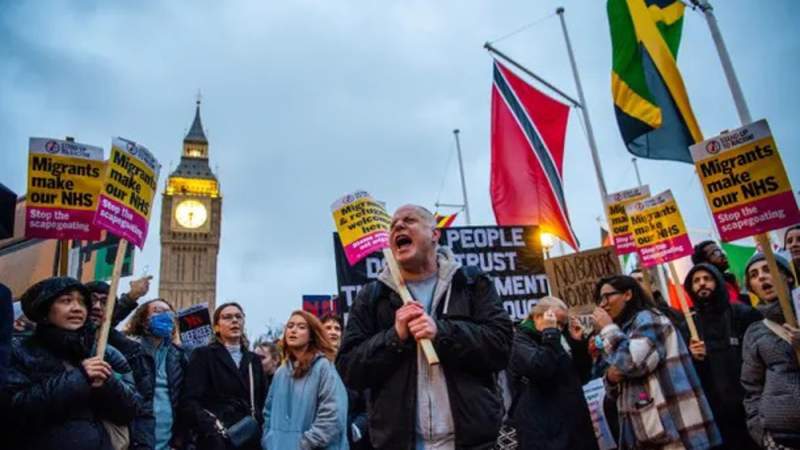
(228, 317)
(605, 296)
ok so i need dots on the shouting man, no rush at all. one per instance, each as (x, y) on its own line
(415, 405)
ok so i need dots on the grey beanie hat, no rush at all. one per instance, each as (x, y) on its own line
(783, 264)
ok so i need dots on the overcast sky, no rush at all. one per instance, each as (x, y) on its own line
(304, 101)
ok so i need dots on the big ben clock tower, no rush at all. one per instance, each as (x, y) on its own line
(191, 215)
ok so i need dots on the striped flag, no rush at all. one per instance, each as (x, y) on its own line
(444, 220)
(528, 131)
(650, 101)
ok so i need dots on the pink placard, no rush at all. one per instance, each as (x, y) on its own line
(760, 216)
(370, 243)
(121, 221)
(666, 251)
(60, 223)
(624, 244)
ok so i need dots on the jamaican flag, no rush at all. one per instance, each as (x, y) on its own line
(650, 101)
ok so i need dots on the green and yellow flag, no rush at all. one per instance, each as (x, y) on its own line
(650, 101)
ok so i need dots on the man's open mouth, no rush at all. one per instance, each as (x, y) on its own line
(402, 241)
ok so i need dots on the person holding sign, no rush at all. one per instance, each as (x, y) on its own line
(717, 353)
(770, 372)
(660, 401)
(59, 395)
(415, 405)
(549, 409)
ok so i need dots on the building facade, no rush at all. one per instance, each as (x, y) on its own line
(191, 219)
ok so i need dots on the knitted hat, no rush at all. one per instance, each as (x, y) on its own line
(36, 301)
(783, 265)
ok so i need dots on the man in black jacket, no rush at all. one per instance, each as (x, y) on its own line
(718, 355)
(414, 405)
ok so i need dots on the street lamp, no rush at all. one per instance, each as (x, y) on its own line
(548, 241)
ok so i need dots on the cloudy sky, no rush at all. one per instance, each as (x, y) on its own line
(304, 101)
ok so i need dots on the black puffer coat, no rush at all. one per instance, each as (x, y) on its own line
(771, 379)
(473, 343)
(54, 407)
(722, 325)
(549, 409)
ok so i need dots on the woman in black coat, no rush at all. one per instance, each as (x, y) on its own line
(60, 396)
(549, 410)
(217, 384)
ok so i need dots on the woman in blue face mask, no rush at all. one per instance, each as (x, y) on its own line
(158, 363)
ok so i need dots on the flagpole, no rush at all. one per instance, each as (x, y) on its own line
(725, 59)
(784, 297)
(463, 183)
(530, 73)
(636, 169)
(589, 130)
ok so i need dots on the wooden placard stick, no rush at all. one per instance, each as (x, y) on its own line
(682, 299)
(105, 328)
(405, 295)
(779, 281)
(63, 257)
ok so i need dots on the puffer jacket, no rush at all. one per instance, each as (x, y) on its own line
(143, 365)
(771, 380)
(306, 412)
(56, 408)
(549, 408)
(473, 343)
(722, 324)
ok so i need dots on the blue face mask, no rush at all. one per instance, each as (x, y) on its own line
(162, 324)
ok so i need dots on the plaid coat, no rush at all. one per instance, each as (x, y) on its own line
(658, 377)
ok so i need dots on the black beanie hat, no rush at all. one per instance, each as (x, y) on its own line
(98, 287)
(36, 301)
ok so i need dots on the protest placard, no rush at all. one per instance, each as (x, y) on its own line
(658, 229)
(363, 225)
(126, 198)
(64, 180)
(661, 237)
(194, 324)
(595, 392)
(321, 305)
(573, 277)
(511, 256)
(126, 201)
(745, 182)
(618, 222)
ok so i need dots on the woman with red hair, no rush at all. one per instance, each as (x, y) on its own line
(307, 402)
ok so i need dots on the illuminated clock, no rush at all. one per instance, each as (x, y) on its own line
(191, 214)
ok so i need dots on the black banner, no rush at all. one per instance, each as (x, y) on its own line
(512, 256)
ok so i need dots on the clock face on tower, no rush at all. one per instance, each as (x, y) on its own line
(191, 214)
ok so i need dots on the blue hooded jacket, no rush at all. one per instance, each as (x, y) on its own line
(308, 412)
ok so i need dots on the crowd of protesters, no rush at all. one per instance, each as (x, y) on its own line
(366, 385)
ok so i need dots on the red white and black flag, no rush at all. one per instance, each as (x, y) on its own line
(528, 131)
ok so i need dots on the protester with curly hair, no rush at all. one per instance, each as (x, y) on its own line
(159, 364)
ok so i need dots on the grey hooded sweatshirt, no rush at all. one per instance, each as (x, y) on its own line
(434, 426)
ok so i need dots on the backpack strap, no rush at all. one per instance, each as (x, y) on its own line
(471, 274)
